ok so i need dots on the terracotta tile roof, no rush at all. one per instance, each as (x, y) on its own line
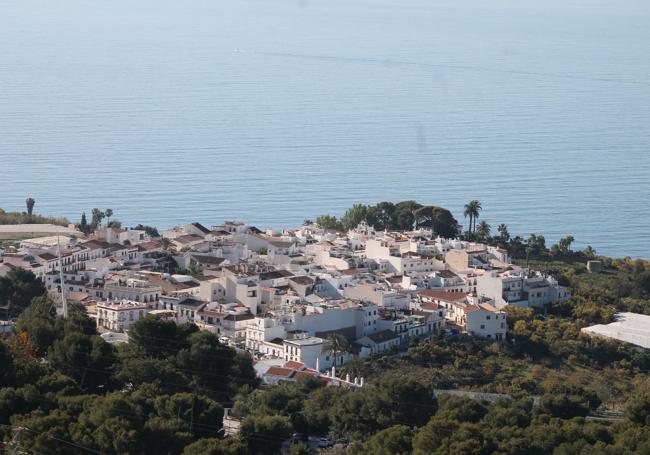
(430, 306)
(95, 245)
(443, 295)
(383, 336)
(295, 365)
(446, 274)
(150, 245)
(185, 239)
(488, 307)
(279, 371)
(352, 271)
(471, 308)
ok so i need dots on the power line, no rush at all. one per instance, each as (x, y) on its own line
(70, 443)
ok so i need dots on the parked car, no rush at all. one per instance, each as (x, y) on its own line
(325, 442)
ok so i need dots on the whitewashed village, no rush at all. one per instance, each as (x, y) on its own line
(300, 301)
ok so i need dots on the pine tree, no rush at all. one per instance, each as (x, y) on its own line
(83, 224)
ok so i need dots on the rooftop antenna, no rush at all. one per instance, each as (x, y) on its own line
(63, 299)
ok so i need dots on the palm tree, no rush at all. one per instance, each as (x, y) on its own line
(504, 235)
(336, 343)
(30, 202)
(108, 214)
(166, 244)
(472, 210)
(483, 230)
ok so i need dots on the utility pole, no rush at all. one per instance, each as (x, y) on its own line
(63, 299)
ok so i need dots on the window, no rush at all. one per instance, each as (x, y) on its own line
(487, 317)
(482, 326)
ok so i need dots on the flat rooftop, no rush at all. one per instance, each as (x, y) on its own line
(631, 328)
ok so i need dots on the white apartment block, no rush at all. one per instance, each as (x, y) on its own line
(118, 316)
(520, 287)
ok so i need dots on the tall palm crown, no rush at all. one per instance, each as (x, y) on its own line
(472, 210)
(336, 343)
(503, 232)
(483, 230)
(108, 214)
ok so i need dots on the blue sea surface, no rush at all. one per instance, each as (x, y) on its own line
(273, 111)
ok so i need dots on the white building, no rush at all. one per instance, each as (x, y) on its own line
(118, 316)
(380, 294)
(308, 350)
(485, 320)
(395, 256)
(380, 342)
(261, 330)
(521, 287)
(472, 315)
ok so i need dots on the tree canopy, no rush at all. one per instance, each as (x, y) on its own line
(17, 289)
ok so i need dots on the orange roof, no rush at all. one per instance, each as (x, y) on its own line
(279, 371)
(352, 271)
(430, 306)
(471, 308)
(443, 295)
(488, 307)
(150, 245)
(294, 364)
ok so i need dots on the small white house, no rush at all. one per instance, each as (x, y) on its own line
(380, 342)
(118, 316)
(307, 350)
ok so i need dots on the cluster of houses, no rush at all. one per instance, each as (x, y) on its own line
(285, 295)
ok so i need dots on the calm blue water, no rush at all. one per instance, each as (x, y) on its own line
(273, 111)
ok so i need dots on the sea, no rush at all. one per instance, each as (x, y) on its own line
(276, 111)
